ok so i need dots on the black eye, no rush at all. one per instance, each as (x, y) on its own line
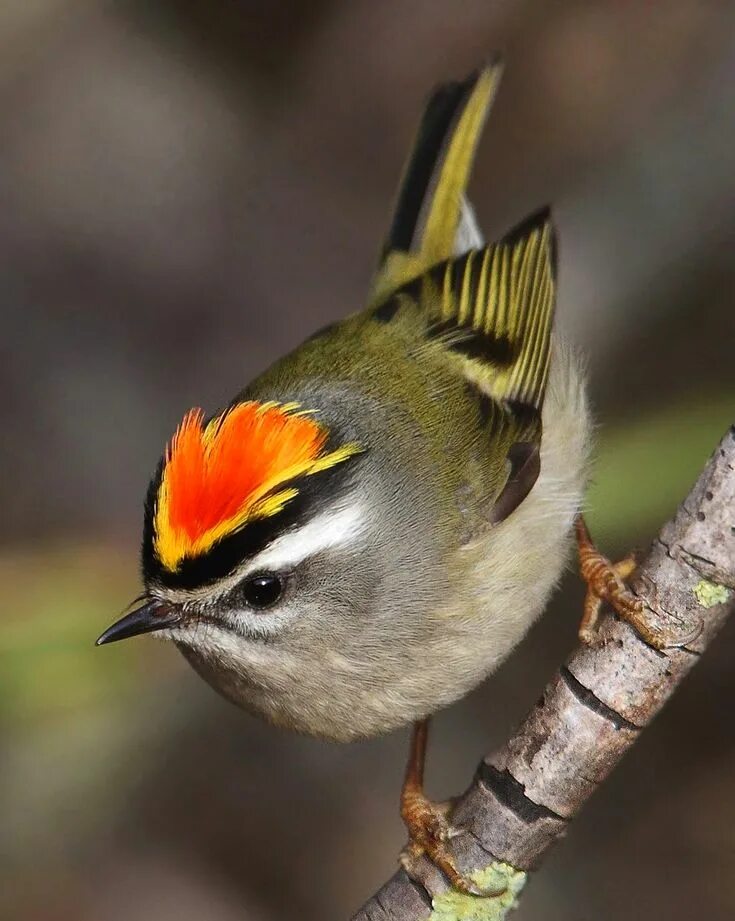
(263, 590)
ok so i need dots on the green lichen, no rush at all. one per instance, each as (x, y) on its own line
(500, 877)
(708, 594)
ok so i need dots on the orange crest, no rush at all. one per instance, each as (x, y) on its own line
(219, 476)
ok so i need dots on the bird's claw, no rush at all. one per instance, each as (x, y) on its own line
(429, 830)
(607, 581)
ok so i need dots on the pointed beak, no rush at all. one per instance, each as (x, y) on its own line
(153, 615)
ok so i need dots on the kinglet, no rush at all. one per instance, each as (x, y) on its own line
(371, 526)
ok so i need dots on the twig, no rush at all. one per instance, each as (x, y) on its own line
(524, 796)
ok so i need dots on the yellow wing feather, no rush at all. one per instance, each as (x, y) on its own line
(494, 308)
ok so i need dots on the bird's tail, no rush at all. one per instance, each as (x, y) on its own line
(432, 219)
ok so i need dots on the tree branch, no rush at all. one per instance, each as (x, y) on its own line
(524, 796)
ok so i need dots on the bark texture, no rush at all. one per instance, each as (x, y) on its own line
(524, 795)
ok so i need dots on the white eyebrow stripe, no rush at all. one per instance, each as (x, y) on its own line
(330, 529)
(338, 525)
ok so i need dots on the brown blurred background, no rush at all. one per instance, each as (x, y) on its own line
(187, 189)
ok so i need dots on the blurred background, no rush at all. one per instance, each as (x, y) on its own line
(189, 189)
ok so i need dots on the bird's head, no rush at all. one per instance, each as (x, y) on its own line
(291, 557)
(237, 503)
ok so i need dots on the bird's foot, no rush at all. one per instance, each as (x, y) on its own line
(429, 831)
(606, 581)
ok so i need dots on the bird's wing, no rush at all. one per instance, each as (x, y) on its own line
(431, 219)
(495, 307)
(488, 316)
(491, 312)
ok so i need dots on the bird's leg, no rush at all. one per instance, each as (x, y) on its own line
(606, 582)
(427, 822)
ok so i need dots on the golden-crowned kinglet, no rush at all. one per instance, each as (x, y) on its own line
(370, 527)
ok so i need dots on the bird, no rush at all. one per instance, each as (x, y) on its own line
(368, 529)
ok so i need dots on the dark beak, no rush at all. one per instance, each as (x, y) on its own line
(153, 615)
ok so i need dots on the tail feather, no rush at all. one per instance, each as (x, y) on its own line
(431, 216)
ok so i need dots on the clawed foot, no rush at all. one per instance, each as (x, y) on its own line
(429, 830)
(606, 582)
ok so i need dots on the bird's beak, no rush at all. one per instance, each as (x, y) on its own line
(153, 615)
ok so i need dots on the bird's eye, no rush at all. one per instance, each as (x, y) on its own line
(262, 590)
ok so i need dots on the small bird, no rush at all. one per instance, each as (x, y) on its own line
(368, 529)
